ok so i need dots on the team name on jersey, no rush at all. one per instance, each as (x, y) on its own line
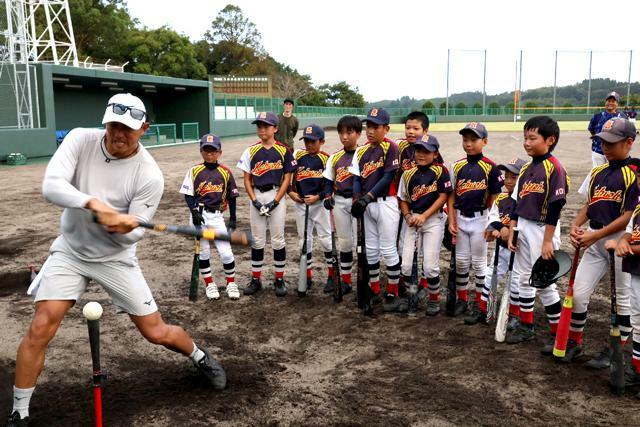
(305, 173)
(206, 187)
(505, 219)
(601, 194)
(635, 235)
(531, 187)
(408, 164)
(263, 167)
(370, 167)
(342, 174)
(466, 185)
(422, 190)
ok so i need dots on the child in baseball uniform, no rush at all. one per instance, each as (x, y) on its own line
(476, 182)
(612, 197)
(499, 220)
(208, 189)
(267, 167)
(307, 189)
(374, 167)
(628, 248)
(540, 194)
(423, 192)
(339, 194)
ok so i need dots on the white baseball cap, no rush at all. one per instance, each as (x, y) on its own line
(122, 108)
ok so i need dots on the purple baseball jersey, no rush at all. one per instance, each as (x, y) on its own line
(422, 185)
(337, 170)
(267, 166)
(475, 178)
(631, 263)
(541, 182)
(308, 175)
(211, 186)
(371, 162)
(506, 206)
(407, 155)
(612, 191)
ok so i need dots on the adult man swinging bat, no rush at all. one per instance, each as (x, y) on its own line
(109, 175)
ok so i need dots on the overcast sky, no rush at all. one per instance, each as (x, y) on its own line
(389, 49)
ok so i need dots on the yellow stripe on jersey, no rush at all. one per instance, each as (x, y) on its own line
(336, 157)
(196, 170)
(458, 165)
(402, 145)
(500, 197)
(636, 211)
(595, 171)
(324, 157)
(281, 149)
(385, 146)
(407, 175)
(486, 167)
(362, 150)
(254, 149)
(300, 153)
(437, 169)
(524, 168)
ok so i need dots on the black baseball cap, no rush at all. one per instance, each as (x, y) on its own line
(428, 142)
(379, 116)
(266, 117)
(514, 165)
(613, 94)
(210, 140)
(313, 132)
(477, 128)
(288, 100)
(617, 129)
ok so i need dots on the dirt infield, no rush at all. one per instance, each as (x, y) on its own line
(290, 361)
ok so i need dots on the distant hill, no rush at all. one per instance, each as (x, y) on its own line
(575, 95)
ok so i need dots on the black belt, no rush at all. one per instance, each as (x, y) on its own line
(471, 214)
(345, 194)
(595, 225)
(215, 209)
(265, 188)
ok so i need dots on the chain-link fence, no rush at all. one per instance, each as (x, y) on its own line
(160, 134)
(190, 132)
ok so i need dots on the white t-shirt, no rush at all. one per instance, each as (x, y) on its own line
(78, 172)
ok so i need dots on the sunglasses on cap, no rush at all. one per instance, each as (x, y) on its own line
(135, 113)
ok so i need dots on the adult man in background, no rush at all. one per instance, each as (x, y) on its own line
(288, 125)
(597, 121)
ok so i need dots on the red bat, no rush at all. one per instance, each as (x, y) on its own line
(562, 334)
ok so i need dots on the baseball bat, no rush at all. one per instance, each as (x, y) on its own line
(363, 289)
(337, 283)
(616, 370)
(450, 306)
(493, 291)
(562, 333)
(94, 343)
(235, 237)
(413, 301)
(302, 274)
(195, 273)
(503, 313)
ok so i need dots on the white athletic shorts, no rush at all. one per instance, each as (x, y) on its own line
(65, 277)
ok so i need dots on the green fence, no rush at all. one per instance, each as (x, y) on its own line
(160, 134)
(235, 107)
(190, 132)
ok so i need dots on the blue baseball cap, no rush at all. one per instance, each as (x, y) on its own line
(378, 116)
(266, 117)
(313, 132)
(477, 128)
(514, 165)
(210, 140)
(428, 142)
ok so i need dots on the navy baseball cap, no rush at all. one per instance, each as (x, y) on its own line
(477, 128)
(428, 142)
(614, 95)
(210, 140)
(289, 100)
(378, 116)
(266, 117)
(617, 129)
(514, 165)
(313, 132)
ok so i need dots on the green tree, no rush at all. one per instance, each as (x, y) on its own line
(232, 26)
(461, 105)
(341, 94)
(494, 105)
(443, 105)
(164, 52)
(428, 105)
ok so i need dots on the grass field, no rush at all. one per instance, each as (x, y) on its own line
(493, 126)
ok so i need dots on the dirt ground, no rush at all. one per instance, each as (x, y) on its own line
(290, 361)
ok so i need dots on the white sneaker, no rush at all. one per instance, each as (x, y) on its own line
(232, 290)
(212, 291)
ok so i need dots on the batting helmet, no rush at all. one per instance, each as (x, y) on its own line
(546, 272)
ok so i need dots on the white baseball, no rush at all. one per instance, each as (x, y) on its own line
(92, 310)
